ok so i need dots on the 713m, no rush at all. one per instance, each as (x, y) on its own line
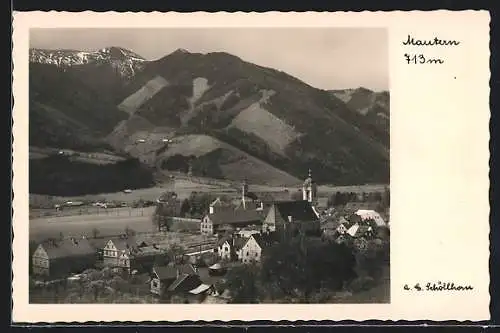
(421, 59)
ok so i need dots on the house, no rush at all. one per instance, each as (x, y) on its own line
(292, 216)
(61, 257)
(225, 247)
(219, 206)
(371, 215)
(115, 247)
(217, 270)
(360, 230)
(163, 277)
(341, 229)
(266, 199)
(229, 246)
(229, 220)
(252, 248)
(247, 232)
(184, 283)
(343, 225)
(141, 259)
(199, 294)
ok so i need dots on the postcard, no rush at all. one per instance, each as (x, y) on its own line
(250, 166)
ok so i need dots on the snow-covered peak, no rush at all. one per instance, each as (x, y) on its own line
(126, 62)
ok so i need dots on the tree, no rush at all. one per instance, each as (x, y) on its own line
(95, 232)
(185, 207)
(129, 231)
(161, 259)
(297, 195)
(163, 216)
(386, 198)
(298, 267)
(242, 283)
(175, 253)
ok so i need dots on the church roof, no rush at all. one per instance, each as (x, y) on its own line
(299, 210)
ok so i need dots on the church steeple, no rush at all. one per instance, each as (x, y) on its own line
(309, 188)
(244, 192)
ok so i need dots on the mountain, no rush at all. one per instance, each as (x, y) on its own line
(215, 113)
(124, 61)
(364, 100)
(374, 106)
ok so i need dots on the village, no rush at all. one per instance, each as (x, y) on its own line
(228, 239)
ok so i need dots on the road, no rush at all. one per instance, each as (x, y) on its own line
(78, 225)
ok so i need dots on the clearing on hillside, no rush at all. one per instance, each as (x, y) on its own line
(200, 85)
(233, 163)
(151, 88)
(258, 121)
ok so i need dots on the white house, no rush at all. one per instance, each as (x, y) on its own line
(115, 248)
(224, 248)
(252, 249)
(341, 229)
(368, 214)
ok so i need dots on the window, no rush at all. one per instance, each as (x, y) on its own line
(155, 284)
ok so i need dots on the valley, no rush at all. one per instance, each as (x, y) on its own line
(207, 115)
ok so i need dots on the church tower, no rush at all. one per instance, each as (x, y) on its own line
(244, 192)
(309, 189)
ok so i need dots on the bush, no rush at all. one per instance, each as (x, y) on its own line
(361, 283)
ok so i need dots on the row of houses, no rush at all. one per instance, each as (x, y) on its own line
(362, 223)
(56, 257)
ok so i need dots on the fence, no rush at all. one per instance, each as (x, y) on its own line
(96, 211)
(184, 219)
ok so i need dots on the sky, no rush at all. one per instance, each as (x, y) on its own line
(325, 58)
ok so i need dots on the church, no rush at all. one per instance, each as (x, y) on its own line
(295, 216)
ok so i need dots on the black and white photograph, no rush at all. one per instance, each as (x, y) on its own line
(209, 165)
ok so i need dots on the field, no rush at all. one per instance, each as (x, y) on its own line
(235, 163)
(110, 222)
(257, 120)
(45, 221)
(74, 155)
(183, 188)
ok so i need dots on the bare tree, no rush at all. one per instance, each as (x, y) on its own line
(95, 233)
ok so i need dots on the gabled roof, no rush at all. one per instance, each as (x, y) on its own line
(358, 230)
(249, 205)
(216, 202)
(165, 272)
(124, 243)
(264, 240)
(185, 283)
(300, 210)
(68, 248)
(216, 266)
(352, 231)
(239, 242)
(224, 239)
(236, 216)
(368, 214)
(200, 289)
(271, 197)
(145, 251)
(187, 269)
